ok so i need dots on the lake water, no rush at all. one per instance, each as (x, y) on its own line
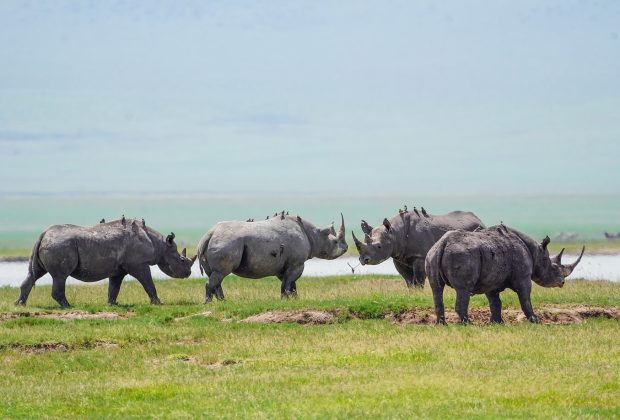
(23, 218)
(592, 267)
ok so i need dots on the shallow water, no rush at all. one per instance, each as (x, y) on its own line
(593, 267)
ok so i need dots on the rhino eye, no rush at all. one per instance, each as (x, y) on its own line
(379, 246)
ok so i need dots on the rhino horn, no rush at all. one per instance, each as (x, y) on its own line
(184, 252)
(358, 244)
(194, 258)
(341, 230)
(545, 242)
(367, 238)
(558, 258)
(568, 268)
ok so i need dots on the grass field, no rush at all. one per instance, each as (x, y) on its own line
(161, 361)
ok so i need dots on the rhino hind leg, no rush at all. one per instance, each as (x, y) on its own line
(462, 305)
(27, 286)
(214, 287)
(440, 310)
(496, 307)
(114, 286)
(58, 290)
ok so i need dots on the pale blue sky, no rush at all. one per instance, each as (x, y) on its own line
(468, 97)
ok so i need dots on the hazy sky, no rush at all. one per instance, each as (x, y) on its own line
(469, 97)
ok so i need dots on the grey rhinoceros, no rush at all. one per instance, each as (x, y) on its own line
(106, 250)
(407, 237)
(274, 247)
(489, 261)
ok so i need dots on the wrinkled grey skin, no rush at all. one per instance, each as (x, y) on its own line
(275, 247)
(489, 261)
(407, 237)
(106, 250)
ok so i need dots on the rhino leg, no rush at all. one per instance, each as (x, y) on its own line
(419, 274)
(289, 279)
(462, 305)
(496, 307)
(405, 271)
(58, 290)
(524, 299)
(214, 287)
(114, 286)
(440, 311)
(142, 273)
(27, 286)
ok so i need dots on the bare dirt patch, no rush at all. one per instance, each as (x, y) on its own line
(61, 347)
(213, 365)
(201, 314)
(306, 317)
(547, 315)
(64, 316)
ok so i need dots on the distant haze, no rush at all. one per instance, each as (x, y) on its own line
(477, 97)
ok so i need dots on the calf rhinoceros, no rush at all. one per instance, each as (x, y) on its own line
(106, 250)
(489, 261)
(274, 247)
(407, 237)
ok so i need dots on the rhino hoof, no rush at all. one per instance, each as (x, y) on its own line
(441, 321)
(155, 302)
(112, 303)
(534, 319)
(497, 321)
(20, 302)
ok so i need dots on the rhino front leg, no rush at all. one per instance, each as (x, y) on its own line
(406, 271)
(289, 281)
(58, 290)
(462, 305)
(114, 286)
(143, 275)
(526, 304)
(496, 307)
(214, 287)
(419, 274)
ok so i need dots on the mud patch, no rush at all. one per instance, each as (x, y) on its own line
(60, 347)
(213, 365)
(306, 317)
(547, 315)
(64, 316)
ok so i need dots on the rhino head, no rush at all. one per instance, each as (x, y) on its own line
(549, 271)
(377, 246)
(172, 263)
(329, 243)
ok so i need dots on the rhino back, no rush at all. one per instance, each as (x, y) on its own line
(94, 252)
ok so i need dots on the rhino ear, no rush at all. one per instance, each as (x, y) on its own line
(170, 238)
(545, 242)
(387, 224)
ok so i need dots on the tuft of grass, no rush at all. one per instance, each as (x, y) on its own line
(217, 365)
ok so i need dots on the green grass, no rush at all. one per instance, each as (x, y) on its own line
(353, 368)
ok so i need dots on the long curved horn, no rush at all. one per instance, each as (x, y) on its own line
(184, 252)
(558, 258)
(358, 244)
(568, 268)
(194, 258)
(341, 231)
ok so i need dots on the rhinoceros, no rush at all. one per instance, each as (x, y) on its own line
(489, 261)
(106, 250)
(278, 246)
(407, 237)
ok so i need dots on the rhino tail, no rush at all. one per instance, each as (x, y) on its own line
(433, 265)
(202, 253)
